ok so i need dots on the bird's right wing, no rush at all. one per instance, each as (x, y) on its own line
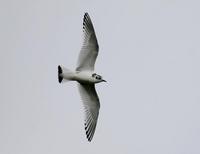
(91, 106)
(90, 47)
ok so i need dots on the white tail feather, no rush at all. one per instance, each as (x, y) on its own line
(64, 74)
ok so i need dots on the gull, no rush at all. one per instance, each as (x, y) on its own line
(86, 77)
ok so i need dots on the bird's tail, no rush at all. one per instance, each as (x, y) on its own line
(64, 74)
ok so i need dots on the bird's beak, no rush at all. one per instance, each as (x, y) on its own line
(104, 80)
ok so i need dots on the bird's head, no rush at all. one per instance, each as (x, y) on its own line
(98, 78)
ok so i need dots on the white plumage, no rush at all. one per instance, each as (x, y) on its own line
(85, 76)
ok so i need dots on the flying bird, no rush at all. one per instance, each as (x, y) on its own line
(86, 77)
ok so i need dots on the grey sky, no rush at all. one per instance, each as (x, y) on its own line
(149, 54)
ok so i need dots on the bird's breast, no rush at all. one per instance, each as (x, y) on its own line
(84, 77)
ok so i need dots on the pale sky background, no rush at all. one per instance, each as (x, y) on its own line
(149, 54)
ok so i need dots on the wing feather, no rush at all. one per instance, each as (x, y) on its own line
(91, 106)
(90, 47)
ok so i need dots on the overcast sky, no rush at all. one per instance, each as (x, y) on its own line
(149, 54)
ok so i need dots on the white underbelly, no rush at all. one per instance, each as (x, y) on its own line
(85, 77)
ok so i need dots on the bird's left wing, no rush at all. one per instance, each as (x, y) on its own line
(91, 106)
(90, 47)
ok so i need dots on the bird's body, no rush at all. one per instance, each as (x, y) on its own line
(81, 77)
(85, 76)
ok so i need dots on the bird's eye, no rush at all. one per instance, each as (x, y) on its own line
(98, 77)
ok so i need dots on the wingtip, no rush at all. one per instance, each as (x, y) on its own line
(89, 134)
(86, 15)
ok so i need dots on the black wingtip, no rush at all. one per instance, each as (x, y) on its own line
(60, 78)
(86, 15)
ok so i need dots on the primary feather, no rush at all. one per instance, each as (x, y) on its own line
(90, 47)
(91, 107)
